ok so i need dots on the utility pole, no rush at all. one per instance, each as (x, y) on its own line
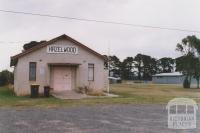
(108, 89)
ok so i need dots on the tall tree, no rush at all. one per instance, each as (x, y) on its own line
(115, 65)
(184, 64)
(127, 68)
(146, 66)
(139, 64)
(149, 67)
(190, 66)
(189, 62)
(189, 45)
(153, 66)
(166, 65)
(196, 70)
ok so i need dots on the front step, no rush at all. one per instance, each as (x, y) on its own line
(67, 95)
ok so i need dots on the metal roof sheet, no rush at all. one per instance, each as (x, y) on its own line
(168, 74)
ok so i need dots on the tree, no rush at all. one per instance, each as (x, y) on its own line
(6, 77)
(189, 62)
(166, 65)
(149, 67)
(188, 45)
(127, 68)
(105, 61)
(184, 64)
(153, 67)
(115, 65)
(32, 44)
(196, 70)
(138, 64)
(146, 66)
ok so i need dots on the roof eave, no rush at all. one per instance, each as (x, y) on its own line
(51, 41)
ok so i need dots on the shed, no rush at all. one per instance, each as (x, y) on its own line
(168, 78)
(171, 78)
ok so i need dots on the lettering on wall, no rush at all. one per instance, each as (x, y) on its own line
(62, 49)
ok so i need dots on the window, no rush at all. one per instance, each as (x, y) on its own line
(172, 109)
(32, 71)
(90, 72)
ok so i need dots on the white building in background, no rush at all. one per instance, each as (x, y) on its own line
(170, 78)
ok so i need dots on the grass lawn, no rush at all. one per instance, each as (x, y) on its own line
(128, 94)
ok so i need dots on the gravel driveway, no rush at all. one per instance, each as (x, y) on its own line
(89, 119)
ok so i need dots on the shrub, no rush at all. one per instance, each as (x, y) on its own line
(89, 91)
(83, 90)
(186, 83)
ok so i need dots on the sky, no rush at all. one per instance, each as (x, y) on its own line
(17, 29)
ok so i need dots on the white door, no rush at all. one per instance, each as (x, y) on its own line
(62, 78)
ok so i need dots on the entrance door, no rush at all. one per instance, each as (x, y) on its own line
(62, 78)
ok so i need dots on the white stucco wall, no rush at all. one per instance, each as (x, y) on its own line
(22, 83)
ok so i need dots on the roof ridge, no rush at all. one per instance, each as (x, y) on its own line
(64, 36)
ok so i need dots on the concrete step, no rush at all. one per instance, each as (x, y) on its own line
(67, 95)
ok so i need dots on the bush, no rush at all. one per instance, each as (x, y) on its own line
(186, 83)
(89, 91)
(83, 90)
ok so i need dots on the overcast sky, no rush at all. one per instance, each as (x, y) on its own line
(124, 40)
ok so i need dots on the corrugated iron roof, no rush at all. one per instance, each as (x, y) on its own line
(168, 74)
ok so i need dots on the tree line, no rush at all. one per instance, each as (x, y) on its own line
(142, 67)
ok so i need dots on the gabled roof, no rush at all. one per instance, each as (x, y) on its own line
(15, 58)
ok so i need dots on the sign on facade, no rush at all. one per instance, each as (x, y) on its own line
(182, 113)
(62, 49)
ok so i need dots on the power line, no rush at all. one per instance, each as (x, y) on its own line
(14, 42)
(98, 21)
(10, 42)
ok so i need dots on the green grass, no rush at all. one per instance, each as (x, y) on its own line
(128, 94)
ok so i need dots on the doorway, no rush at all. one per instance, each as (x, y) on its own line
(62, 78)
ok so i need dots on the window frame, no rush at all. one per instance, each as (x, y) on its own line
(35, 73)
(91, 66)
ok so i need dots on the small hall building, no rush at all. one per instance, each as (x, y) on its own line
(61, 63)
